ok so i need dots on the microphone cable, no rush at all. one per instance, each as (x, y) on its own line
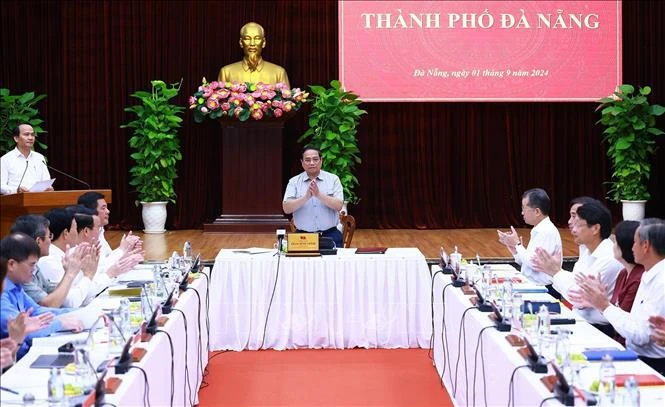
(186, 383)
(511, 385)
(22, 176)
(479, 344)
(461, 338)
(146, 386)
(430, 353)
(444, 335)
(199, 366)
(272, 296)
(542, 403)
(172, 363)
(207, 308)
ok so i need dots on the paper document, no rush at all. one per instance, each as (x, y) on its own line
(253, 250)
(41, 186)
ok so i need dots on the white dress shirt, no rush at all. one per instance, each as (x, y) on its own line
(633, 325)
(14, 165)
(82, 290)
(600, 262)
(546, 236)
(314, 215)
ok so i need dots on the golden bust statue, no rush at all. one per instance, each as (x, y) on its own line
(253, 68)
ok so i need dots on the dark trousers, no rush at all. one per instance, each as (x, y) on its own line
(332, 233)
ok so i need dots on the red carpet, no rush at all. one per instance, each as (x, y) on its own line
(352, 377)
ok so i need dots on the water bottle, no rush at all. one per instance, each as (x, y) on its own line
(507, 300)
(518, 303)
(174, 263)
(456, 261)
(124, 322)
(187, 251)
(543, 321)
(607, 386)
(160, 290)
(56, 386)
(632, 392)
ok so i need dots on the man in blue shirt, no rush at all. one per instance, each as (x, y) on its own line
(315, 197)
(21, 253)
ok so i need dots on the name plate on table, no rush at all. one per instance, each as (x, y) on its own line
(303, 244)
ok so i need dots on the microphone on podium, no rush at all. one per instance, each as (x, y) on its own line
(66, 175)
(18, 188)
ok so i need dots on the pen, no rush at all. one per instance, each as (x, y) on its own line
(9, 390)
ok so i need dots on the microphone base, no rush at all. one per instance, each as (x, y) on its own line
(539, 366)
(567, 398)
(459, 283)
(483, 307)
(502, 326)
(447, 270)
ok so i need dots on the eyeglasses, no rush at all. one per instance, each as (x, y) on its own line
(311, 160)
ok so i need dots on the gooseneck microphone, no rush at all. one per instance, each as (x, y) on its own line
(18, 188)
(66, 175)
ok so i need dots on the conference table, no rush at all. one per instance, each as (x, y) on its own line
(478, 367)
(261, 300)
(190, 357)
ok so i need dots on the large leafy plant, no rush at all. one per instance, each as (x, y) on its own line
(332, 127)
(630, 132)
(15, 110)
(155, 143)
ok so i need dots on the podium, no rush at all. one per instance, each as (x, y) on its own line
(251, 177)
(15, 205)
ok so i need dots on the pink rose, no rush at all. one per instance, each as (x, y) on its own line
(288, 106)
(212, 104)
(257, 114)
(214, 84)
(226, 106)
(278, 112)
(192, 100)
(235, 86)
(224, 93)
(237, 111)
(242, 88)
(281, 85)
(286, 93)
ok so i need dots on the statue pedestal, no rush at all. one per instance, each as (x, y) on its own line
(251, 177)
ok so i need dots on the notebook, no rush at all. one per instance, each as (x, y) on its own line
(49, 361)
(371, 250)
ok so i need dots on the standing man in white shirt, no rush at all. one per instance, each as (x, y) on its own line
(22, 167)
(535, 211)
(649, 304)
(592, 229)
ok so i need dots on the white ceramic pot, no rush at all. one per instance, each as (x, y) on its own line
(633, 210)
(154, 216)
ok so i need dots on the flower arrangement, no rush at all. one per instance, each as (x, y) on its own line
(243, 100)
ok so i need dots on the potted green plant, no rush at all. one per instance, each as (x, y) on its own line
(630, 132)
(333, 126)
(155, 150)
(15, 110)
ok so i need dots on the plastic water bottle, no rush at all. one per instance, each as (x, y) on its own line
(125, 325)
(56, 387)
(456, 261)
(518, 302)
(632, 392)
(187, 251)
(507, 300)
(160, 290)
(607, 386)
(543, 321)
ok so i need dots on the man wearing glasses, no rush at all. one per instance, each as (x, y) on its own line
(315, 197)
(40, 289)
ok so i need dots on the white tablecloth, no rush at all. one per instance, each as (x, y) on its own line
(342, 301)
(498, 358)
(156, 362)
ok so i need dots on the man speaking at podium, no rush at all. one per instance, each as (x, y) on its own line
(21, 167)
(315, 197)
(253, 68)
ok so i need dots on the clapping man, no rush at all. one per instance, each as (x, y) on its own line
(535, 211)
(21, 253)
